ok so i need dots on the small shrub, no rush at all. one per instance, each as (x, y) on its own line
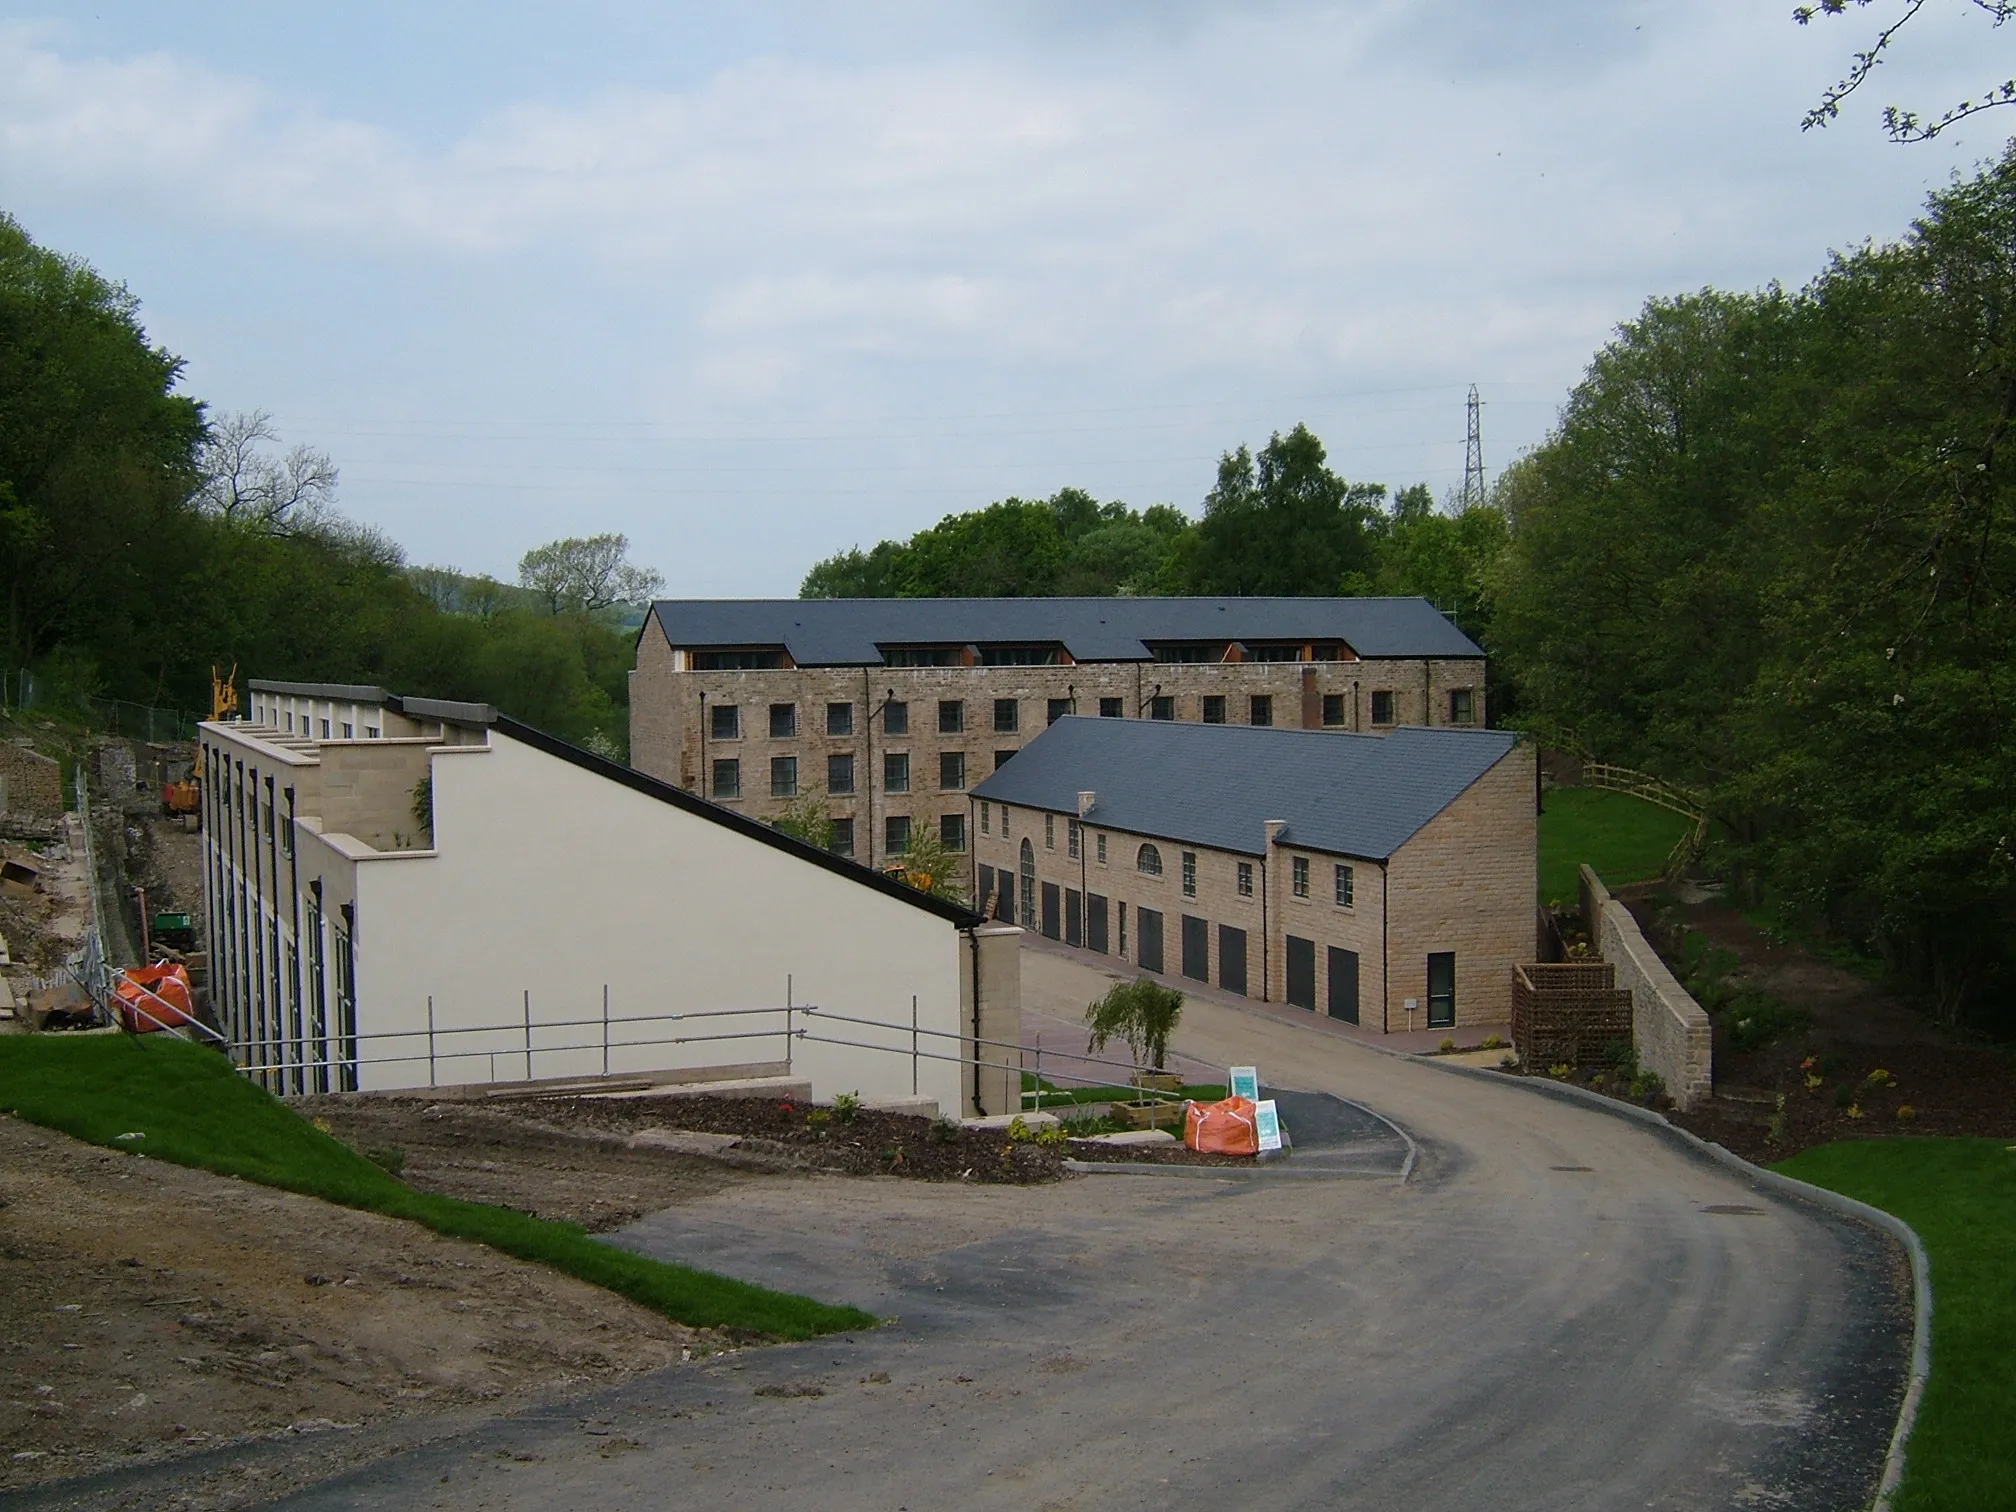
(944, 1130)
(1053, 1136)
(388, 1158)
(1854, 1110)
(1141, 1014)
(1561, 1071)
(1755, 1019)
(1833, 1063)
(818, 1118)
(1844, 1096)
(1774, 1131)
(1906, 1113)
(1647, 1084)
(846, 1106)
(1018, 1130)
(1492, 1042)
(1447, 1047)
(1879, 1078)
(1620, 1054)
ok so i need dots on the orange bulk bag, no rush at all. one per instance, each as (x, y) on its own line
(153, 997)
(1222, 1128)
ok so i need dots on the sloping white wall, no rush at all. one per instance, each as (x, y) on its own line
(554, 881)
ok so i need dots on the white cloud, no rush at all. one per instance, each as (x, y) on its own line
(1240, 207)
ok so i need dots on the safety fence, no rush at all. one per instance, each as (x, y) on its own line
(527, 1051)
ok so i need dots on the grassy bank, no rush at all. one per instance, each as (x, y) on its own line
(1625, 839)
(188, 1105)
(1960, 1196)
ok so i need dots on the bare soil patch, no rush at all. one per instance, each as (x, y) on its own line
(863, 1142)
(148, 1310)
(487, 1154)
(1867, 1066)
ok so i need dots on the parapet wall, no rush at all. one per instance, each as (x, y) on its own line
(1669, 1030)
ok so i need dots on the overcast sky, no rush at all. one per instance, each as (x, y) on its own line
(755, 283)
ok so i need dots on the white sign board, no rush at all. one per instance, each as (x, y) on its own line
(1268, 1123)
(1243, 1081)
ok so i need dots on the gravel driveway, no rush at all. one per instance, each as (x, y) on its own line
(1555, 1309)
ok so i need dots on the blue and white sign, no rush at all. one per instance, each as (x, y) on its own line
(1243, 1081)
(1268, 1124)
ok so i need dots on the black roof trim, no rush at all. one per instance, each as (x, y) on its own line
(345, 692)
(443, 708)
(665, 792)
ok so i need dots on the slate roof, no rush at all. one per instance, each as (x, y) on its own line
(1218, 785)
(846, 632)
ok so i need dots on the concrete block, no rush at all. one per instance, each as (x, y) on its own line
(783, 1088)
(1031, 1121)
(682, 1141)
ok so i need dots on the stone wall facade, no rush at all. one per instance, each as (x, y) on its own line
(673, 735)
(1463, 885)
(31, 787)
(1670, 1032)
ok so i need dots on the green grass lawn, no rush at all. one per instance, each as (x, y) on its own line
(1960, 1196)
(1625, 839)
(195, 1110)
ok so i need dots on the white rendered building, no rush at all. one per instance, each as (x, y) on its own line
(404, 893)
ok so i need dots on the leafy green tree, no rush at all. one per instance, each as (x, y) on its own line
(806, 818)
(1419, 551)
(927, 865)
(1281, 522)
(97, 459)
(1016, 548)
(583, 575)
(1141, 1014)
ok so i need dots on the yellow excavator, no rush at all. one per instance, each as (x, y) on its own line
(186, 797)
(224, 694)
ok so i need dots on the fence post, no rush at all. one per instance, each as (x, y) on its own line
(913, 1044)
(528, 1034)
(605, 1029)
(430, 1039)
(787, 1022)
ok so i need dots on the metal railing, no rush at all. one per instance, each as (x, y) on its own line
(273, 1061)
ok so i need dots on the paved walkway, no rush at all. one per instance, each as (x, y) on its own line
(1557, 1310)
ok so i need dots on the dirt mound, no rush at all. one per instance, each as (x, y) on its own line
(147, 1310)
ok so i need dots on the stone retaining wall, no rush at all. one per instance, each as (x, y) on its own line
(1670, 1031)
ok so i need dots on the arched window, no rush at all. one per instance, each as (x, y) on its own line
(1027, 902)
(1149, 860)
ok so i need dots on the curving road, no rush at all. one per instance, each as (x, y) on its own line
(1557, 1309)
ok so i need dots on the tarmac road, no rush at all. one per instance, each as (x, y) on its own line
(1556, 1309)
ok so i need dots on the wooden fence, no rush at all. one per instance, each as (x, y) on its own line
(1656, 790)
(1569, 1013)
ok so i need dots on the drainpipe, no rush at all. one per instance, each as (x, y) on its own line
(1385, 955)
(1273, 827)
(1427, 692)
(294, 924)
(973, 935)
(1137, 690)
(867, 765)
(701, 781)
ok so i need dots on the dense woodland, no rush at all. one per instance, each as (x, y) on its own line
(1766, 551)
(129, 568)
